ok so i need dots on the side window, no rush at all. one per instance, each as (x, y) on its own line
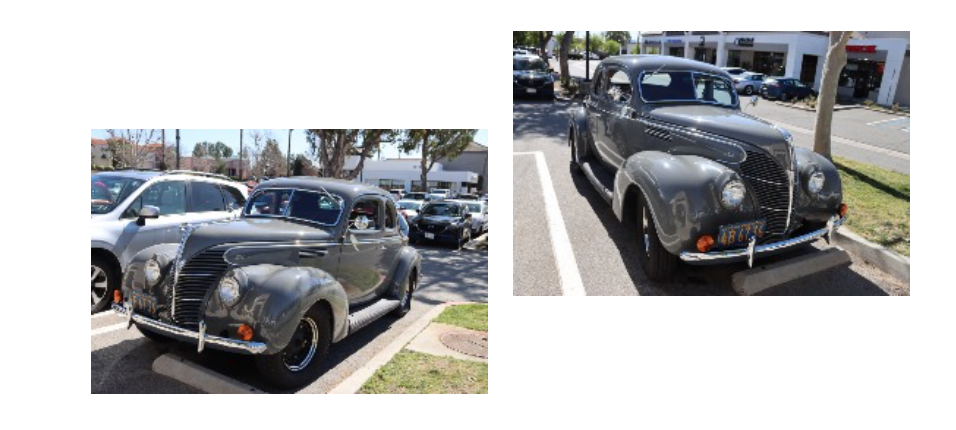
(233, 196)
(206, 197)
(598, 84)
(619, 87)
(169, 197)
(369, 208)
(390, 215)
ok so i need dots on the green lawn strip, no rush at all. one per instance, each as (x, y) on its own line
(471, 317)
(879, 204)
(415, 373)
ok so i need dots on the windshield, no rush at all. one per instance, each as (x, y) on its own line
(475, 209)
(409, 206)
(415, 196)
(297, 204)
(527, 64)
(442, 210)
(687, 87)
(107, 192)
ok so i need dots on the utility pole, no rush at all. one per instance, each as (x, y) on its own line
(587, 56)
(177, 149)
(240, 153)
(164, 150)
(288, 162)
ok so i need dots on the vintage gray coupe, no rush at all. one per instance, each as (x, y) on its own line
(665, 142)
(310, 262)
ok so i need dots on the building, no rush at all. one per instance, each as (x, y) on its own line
(473, 159)
(877, 61)
(100, 153)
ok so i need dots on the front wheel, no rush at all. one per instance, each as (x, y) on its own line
(659, 264)
(301, 360)
(749, 90)
(102, 283)
(408, 289)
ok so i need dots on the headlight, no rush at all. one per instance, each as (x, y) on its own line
(815, 182)
(153, 271)
(230, 288)
(733, 194)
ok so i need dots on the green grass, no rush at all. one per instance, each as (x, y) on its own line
(471, 317)
(415, 373)
(879, 202)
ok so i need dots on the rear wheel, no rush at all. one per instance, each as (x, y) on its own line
(659, 264)
(575, 161)
(301, 360)
(408, 289)
(103, 281)
(749, 90)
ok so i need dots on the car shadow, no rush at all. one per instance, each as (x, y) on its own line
(539, 117)
(126, 368)
(716, 279)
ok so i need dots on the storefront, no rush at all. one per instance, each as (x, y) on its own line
(877, 67)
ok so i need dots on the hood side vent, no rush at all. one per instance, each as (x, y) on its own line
(658, 133)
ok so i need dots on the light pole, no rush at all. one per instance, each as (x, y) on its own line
(240, 153)
(288, 162)
(177, 149)
(164, 150)
(587, 56)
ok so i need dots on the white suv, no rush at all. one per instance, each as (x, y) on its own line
(134, 210)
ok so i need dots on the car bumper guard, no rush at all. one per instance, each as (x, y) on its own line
(200, 338)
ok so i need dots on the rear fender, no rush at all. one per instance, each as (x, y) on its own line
(578, 128)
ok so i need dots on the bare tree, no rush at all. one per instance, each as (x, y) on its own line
(333, 147)
(835, 62)
(437, 145)
(129, 147)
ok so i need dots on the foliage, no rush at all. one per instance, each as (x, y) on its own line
(436, 145)
(302, 166)
(636, 50)
(333, 147)
(612, 47)
(129, 147)
(621, 37)
(273, 162)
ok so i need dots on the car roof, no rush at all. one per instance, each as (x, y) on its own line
(410, 201)
(527, 57)
(348, 189)
(132, 174)
(640, 63)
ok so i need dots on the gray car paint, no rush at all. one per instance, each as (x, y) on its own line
(681, 179)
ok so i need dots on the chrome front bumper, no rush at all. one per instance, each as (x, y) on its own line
(200, 338)
(752, 251)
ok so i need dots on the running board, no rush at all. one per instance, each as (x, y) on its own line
(370, 314)
(601, 180)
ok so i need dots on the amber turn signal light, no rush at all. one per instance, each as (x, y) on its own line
(245, 332)
(705, 243)
(843, 210)
(117, 297)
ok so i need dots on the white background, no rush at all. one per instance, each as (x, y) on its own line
(688, 363)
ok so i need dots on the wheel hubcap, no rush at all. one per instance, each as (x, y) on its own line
(99, 284)
(647, 237)
(407, 298)
(301, 350)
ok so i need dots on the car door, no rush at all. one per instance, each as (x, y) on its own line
(392, 242)
(361, 268)
(170, 198)
(593, 109)
(623, 131)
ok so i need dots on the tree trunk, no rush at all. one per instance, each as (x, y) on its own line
(836, 60)
(543, 40)
(425, 163)
(565, 47)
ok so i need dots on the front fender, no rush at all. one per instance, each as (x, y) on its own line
(817, 209)
(577, 127)
(683, 193)
(273, 302)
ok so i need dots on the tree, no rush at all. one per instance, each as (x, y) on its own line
(436, 145)
(543, 38)
(612, 47)
(832, 67)
(333, 147)
(302, 166)
(566, 40)
(597, 43)
(129, 147)
(272, 162)
(621, 37)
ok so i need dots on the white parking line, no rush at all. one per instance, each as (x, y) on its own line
(102, 314)
(571, 284)
(892, 120)
(108, 329)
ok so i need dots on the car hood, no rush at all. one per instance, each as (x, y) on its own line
(530, 74)
(728, 123)
(248, 230)
(438, 220)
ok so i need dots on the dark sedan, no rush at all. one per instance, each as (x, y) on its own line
(785, 89)
(445, 222)
(532, 77)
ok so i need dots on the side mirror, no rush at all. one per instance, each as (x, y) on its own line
(148, 212)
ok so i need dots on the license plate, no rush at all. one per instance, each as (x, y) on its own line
(532, 91)
(430, 236)
(143, 303)
(737, 234)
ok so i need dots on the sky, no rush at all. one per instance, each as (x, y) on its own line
(189, 138)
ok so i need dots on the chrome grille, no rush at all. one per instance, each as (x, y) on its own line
(198, 275)
(771, 186)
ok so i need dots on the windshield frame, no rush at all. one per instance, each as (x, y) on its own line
(285, 214)
(694, 74)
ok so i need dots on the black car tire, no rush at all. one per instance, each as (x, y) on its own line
(659, 264)
(274, 368)
(784, 97)
(408, 289)
(102, 272)
(575, 162)
(749, 90)
(153, 336)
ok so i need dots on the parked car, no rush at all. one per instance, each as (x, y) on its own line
(735, 71)
(445, 193)
(700, 182)
(282, 283)
(575, 55)
(747, 83)
(445, 222)
(397, 194)
(134, 210)
(416, 196)
(434, 198)
(479, 216)
(784, 89)
(532, 77)
(409, 208)
(518, 52)
(467, 197)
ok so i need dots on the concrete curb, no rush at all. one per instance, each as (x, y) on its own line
(473, 245)
(890, 262)
(753, 281)
(201, 378)
(355, 382)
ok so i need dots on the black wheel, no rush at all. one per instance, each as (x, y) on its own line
(155, 337)
(575, 161)
(301, 360)
(749, 90)
(102, 283)
(659, 264)
(408, 289)
(784, 97)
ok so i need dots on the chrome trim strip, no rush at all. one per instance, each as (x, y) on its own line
(832, 225)
(230, 345)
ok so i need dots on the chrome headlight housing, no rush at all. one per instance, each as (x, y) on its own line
(153, 271)
(231, 287)
(733, 194)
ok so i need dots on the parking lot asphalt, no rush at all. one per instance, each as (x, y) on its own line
(121, 360)
(606, 252)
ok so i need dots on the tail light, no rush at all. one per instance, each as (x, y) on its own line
(705, 243)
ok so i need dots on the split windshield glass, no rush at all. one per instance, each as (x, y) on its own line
(310, 206)
(687, 87)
